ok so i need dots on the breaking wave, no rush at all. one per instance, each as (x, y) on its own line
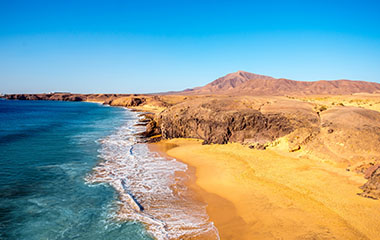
(149, 189)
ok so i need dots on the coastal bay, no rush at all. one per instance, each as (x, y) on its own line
(243, 167)
(190, 120)
(254, 194)
(46, 151)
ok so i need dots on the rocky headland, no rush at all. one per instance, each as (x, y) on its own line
(317, 124)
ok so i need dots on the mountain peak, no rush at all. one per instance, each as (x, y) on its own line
(242, 82)
(240, 71)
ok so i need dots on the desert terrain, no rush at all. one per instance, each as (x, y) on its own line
(273, 158)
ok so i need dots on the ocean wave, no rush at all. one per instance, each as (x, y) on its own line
(149, 189)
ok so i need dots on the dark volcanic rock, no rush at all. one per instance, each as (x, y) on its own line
(50, 97)
(34, 97)
(214, 123)
(152, 129)
(135, 101)
(372, 188)
(369, 172)
(130, 101)
(75, 98)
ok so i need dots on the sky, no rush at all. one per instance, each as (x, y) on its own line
(153, 46)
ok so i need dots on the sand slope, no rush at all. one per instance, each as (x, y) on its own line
(254, 194)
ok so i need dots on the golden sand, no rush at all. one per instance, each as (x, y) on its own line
(364, 100)
(254, 194)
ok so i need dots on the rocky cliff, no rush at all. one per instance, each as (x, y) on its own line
(344, 135)
(220, 120)
(63, 97)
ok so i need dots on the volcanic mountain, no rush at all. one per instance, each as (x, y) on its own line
(246, 83)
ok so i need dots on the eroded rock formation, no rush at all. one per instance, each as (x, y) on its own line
(217, 121)
(372, 188)
(345, 135)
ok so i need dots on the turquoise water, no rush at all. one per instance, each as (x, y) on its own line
(46, 151)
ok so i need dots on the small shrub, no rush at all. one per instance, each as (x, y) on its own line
(322, 108)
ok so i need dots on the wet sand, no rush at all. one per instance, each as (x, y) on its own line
(150, 188)
(254, 194)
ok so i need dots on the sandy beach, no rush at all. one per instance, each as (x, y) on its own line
(256, 194)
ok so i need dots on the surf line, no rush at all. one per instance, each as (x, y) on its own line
(135, 204)
(139, 210)
(130, 150)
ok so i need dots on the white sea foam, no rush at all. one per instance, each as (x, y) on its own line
(149, 190)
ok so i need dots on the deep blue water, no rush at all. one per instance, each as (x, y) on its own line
(46, 150)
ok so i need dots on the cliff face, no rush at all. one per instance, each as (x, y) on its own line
(252, 121)
(218, 121)
(127, 100)
(231, 126)
(346, 135)
(51, 97)
(61, 97)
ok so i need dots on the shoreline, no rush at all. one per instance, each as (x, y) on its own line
(150, 189)
(67, 151)
(254, 194)
(200, 194)
(227, 222)
(288, 191)
(195, 191)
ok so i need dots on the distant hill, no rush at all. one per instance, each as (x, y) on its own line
(246, 83)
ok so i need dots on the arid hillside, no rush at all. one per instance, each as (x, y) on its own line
(343, 130)
(245, 83)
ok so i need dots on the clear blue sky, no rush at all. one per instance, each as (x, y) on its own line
(151, 46)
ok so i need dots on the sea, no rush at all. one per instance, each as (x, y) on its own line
(77, 170)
